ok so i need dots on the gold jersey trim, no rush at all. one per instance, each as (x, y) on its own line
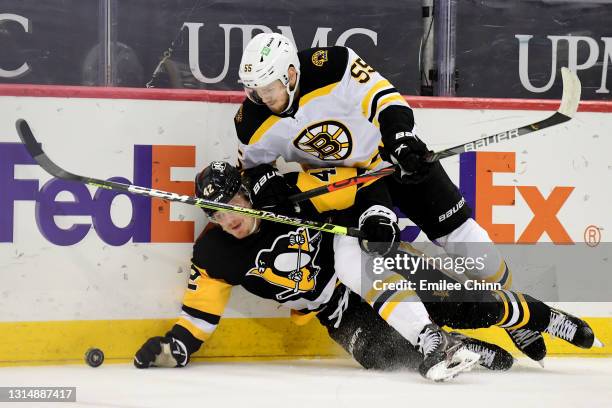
(317, 93)
(367, 100)
(261, 130)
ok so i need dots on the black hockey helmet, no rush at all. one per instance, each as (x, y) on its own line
(218, 182)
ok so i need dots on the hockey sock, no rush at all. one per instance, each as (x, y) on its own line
(399, 307)
(521, 311)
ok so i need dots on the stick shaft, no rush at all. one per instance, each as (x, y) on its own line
(37, 153)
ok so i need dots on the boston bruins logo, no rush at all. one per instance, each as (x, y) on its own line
(319, 58)
(329, 140)
(290, 263)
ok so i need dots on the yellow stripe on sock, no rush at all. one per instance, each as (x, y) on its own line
(369, 297)
(391, 305)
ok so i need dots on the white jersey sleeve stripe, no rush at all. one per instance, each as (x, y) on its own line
(366, 102)
(198, 327)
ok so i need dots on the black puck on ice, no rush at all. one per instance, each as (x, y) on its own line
(94, 357)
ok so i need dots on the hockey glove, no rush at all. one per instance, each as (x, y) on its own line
(382, 234)
(269, 190)
(408, 152)
(162, 352)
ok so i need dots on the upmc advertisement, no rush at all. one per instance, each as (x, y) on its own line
(197, 44)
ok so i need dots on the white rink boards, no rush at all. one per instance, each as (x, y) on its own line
(55, 284)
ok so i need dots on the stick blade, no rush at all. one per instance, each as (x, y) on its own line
(571, 93)
(27, 138)
(35, 149)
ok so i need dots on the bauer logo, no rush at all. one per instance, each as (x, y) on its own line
(477, 170)
(500, 137)
(150, 218)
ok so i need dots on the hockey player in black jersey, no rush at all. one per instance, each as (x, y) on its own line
(296, 267)
(308, 271)
(327, 107)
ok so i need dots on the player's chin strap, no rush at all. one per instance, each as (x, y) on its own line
(255, 226)
(291, 93)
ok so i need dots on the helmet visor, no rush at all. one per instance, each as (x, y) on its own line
(268, 94)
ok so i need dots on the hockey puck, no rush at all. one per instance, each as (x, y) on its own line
(94, 357)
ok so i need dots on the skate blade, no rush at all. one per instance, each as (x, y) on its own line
(464, 359)
(597, 343)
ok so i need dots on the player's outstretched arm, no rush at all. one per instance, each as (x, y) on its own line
(203, 304)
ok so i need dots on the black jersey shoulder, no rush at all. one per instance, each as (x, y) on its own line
(216, 252)
(249, 118)
(322, 66)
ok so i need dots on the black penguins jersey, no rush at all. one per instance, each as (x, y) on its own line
(291, 265)
(342, 110)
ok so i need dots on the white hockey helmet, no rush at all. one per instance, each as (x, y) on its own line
(267, 58)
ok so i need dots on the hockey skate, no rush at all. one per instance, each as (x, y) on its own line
(571, 329)
(529, 342)
(492, 356)
(443, 356)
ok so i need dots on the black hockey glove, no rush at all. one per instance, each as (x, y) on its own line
(382, 234)
(408, 152)
(269, 190)
(162, 352)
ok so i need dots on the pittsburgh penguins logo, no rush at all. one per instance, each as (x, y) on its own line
(290, 263)
(329, 140)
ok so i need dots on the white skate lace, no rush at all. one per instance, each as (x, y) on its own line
(561, 327)
(429, 341)
(486, 355)
(342, 305)
(524, 337)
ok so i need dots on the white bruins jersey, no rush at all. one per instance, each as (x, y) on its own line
(335, 120)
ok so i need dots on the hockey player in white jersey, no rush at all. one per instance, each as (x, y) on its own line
(326, 107)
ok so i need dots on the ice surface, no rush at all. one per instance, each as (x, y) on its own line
(565, 382)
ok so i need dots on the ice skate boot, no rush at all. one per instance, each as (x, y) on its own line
(492, 356)
(571, 329)
(530, 342)
(443, 356)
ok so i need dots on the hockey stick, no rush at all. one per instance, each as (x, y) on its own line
(35, 150)
(351, 181)
(569, 105)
